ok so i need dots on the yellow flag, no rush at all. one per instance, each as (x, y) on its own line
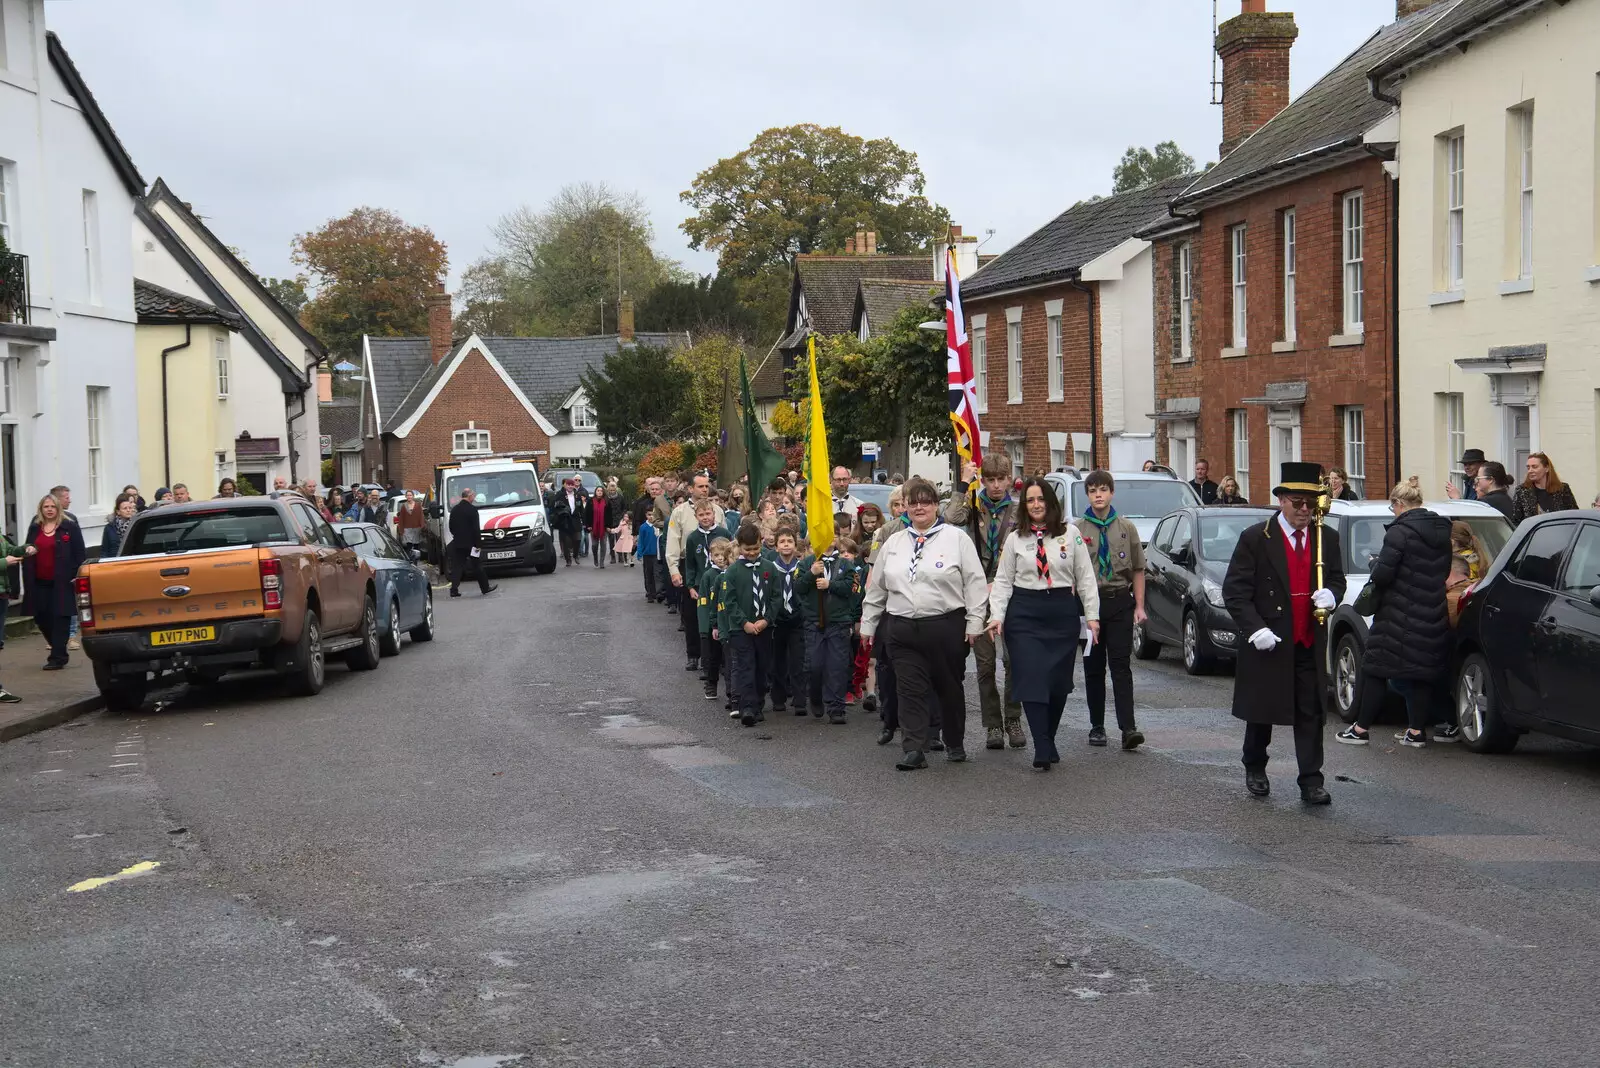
(819, 494)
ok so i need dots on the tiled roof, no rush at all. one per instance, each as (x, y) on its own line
(766, 377)
(1064, 244)
(881, 299)
(1455, 20)
(1329, 117)
(155, 304)
(397, 363)
(340, 419)
(546, 369)
(830, 283)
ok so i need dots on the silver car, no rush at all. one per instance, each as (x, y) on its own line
(1146, 497)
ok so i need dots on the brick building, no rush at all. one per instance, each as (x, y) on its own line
(1061, 345)
(431, 399)
(1273, 271)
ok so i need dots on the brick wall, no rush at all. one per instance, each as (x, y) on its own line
(1030, 422)
(1337, 376)
(1175, 375)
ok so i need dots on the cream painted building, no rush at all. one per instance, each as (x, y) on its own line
(1499, 288)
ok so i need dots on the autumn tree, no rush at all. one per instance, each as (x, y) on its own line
(1141, 167)
(290, 292)
(641, 397)
(369, 273)
(707, 361)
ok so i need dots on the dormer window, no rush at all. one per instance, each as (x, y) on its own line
(468, 441)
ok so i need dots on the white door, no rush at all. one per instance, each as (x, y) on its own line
(1284, 446)
(1519, 437)
(1180, 448)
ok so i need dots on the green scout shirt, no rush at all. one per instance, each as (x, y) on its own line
(792, 613)
(1126, 553)
(741, 603)
(847, 588)
(697, 553)
(709, 595)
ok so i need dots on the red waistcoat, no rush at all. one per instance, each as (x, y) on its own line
(1300, 589)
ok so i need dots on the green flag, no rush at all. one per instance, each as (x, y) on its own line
(731, 459)
(764, 461)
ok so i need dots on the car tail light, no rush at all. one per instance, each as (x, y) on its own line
(84, 602)
(272, 583)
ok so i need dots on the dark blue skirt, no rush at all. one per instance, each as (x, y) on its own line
(1041, 636)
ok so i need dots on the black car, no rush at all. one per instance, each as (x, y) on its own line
(1528, 639)
(1185, 563)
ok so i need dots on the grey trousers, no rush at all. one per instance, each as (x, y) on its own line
(983, 649)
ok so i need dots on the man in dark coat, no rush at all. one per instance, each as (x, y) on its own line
(1202, 485)
(1271, 591)
(464, 545)
(566, 510)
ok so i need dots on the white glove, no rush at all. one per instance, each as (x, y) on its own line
(1264, 640)
(1323, 599)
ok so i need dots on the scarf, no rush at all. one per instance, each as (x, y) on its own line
(993, 512)
(788, 581)
(755, 584)
(922, 543)
(1041, 558)
(1102, 552)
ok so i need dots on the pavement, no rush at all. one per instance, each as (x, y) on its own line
(533, 842)
(48, 697)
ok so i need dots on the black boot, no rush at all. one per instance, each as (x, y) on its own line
(693, 664)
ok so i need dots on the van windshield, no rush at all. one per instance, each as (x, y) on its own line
(158, 531)
(495, 489)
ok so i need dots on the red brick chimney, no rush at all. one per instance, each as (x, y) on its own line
(1402, 8)
(849, 246)
(1254, 46)
(625, 322)
(440, 328)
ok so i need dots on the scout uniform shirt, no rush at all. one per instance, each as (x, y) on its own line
(1124, 554)
(709, 591)
(697, 553)
(787, 576)
(750, 592)
(847, 584)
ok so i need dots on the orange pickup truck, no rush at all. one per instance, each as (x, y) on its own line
(210, 587)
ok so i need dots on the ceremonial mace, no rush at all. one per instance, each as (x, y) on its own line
(1318, 511)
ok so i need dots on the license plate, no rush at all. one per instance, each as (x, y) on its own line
(507, 554)
(183, 635)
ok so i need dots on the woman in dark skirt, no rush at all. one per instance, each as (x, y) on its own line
(1044, 586)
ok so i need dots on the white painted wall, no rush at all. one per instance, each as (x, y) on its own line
(1127, 350)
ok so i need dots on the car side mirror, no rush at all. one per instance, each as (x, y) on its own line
(1594, 596)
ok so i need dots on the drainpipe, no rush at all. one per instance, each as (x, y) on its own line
(1094, 378)
(1392, 187)
(166, 439)
(294, 454)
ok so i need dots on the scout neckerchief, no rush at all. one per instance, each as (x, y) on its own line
(922, 543)
(755, 583)
(788, 581)
(705, 545)
(993, 512)
(1041, 558)
(1102, 554)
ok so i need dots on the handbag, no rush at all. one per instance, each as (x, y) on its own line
(1366, 602)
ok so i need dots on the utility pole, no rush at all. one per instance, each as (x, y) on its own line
(602, 317)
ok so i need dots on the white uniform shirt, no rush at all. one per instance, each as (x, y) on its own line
(679, 526)
(949, 576)
(1070, 569)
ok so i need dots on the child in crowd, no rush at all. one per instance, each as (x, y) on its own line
(708, 592)
(696, 555)
(788, 639)
(863, 681)
(830, 588)
(646, 547)
(750, 605)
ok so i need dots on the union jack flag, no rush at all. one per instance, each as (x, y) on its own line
(963, 384)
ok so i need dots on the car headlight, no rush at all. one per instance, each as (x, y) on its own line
(1214, 594)
(539, 521)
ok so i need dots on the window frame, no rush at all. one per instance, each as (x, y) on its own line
(224, 369)
(91, 246)
(1524, 121)
(94, 442)
(1352, 244)
(8, 192)
(1241, 450)
(1290, 320)
(1239, 265)
(1455, 434)
(1353, 428)
(1585, 530)
(1014, 358)
(1186, 300)
(588, 420)
(980, 363)
(459, 441)
(1455, 146)
(1056, 372)
(1514, 565)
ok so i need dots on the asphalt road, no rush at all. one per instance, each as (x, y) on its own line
(532, 842)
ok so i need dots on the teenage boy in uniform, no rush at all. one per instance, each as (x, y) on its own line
(751, 604)
(834, 583)
(696, 555)
(1119, 568)
(788, 639)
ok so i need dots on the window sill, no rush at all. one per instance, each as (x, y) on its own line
(1058, 399)
(1516, 285)
(1180, 360)
(1449, 296)
(1342, 341)
(1283, 346)
(1591, 275)
(1228, 354)
(1017, 401)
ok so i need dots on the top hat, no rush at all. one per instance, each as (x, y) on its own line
(1472, 456)
(1299, 478)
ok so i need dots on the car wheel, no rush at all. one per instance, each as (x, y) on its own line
(1144, 647)
(1482, 727)
(122, 693)
(307, 666)
(389, 641)
(1347, 677)
(423, 632)
(1194, 661)
(365, 656)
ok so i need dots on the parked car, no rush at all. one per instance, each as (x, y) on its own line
(1528, 639)
(872, 493)
(1361, 526)
(209, 587)
(1143, 496)
(404, 593)
(1185, 563)
(587, 479)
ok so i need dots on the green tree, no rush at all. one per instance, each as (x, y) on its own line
(709, 304)
(371, 273)
(706, 362)
(1141, 167)
(641, 397)
(290, 292)
(552, 269)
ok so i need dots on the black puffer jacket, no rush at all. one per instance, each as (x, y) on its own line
(1410, 636)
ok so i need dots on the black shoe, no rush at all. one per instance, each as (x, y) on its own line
(912, 761)
(936, 746)
(455, 593)
(672, 608)
(956, 755)
(53, 665)
(838, 719)
(748, 719)
(886, 736)
(1315, 795)
(761, 717)
(869, 703)
(491, 589)
(1041, 765)
(799, 710)
(693, 664)
(1133, 739)
(816, 710)
(1256, 782)
(730, 704)
(711, 691)
(1097, 736)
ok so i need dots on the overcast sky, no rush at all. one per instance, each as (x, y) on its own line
(272, 118)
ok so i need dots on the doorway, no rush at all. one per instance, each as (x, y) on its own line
(1519, 438)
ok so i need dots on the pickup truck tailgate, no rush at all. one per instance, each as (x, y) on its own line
(180, 589)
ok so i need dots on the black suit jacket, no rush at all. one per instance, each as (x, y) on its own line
(464, 524)
(1207, 490)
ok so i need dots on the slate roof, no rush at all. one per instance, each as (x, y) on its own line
(546, 369)
(1462, 19)
(98, 123)
(340, 419)
(1326, 119)
(830, 283)
(395, 365)
(881, 299)
(1061, 247)
(155, 304)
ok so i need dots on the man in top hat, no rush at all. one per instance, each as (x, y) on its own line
(1471, 461)
(1271, 591)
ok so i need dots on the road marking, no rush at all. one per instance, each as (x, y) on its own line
(51, 771)
(129, 764)
(141, 868)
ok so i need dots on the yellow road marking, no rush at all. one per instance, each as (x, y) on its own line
(126, 873)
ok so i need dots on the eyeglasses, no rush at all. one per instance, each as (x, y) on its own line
(1299, 504)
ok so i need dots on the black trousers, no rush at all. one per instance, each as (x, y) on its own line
(888, 692)
(1307, 725)
(464, 564)
(789, 649)
(752, 657)
(828, 668)
(711, 660)
(930, 657)
(663, 579)
(686, 612)
(54, 628)
(598, 548)
(1115, 648)
(569, 543)
(1418, 697)
(649, 569)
